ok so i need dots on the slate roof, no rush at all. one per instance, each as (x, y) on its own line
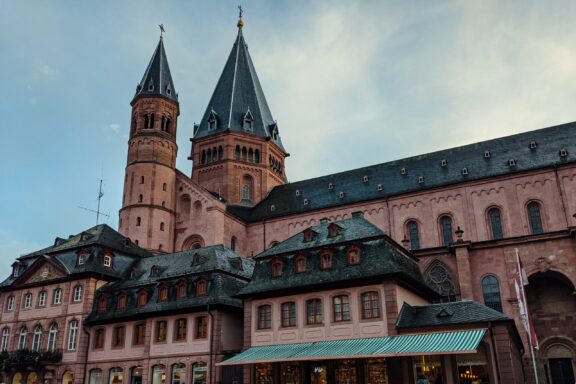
(549, 142)
(443, 314)
(225, 272)
(157, 79)
(380, 258)
(238, 92)
(94, 242)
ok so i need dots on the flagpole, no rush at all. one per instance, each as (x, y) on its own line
(523, 306)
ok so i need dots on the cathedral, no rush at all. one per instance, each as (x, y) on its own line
(411, 271)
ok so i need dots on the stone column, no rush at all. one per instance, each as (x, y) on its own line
(464, 271)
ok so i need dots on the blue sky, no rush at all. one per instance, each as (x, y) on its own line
(350, 83)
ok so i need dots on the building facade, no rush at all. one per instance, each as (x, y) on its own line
(465, 213)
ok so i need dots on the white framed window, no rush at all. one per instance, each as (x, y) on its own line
(42, 299)
(28, 301)
(77, 293)
(37, 338)
(58, 296)
(107, 261)
(72, 335)
(52, 335)
(81, 259)
(22, 338)
(10, 305)
(5, 339)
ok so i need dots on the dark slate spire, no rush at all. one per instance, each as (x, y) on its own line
(157, 79)
(238, 102)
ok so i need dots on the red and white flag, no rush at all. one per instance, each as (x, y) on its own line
(520, 281)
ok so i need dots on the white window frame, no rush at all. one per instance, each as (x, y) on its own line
(52, 336)
(37, 339)
(58, 296)
(107, 261)
(10, 306)
(81, 259)
(28, 301)
(5, 339)
(72, 335)
(42, 299)
(77, 294)
(22, 338)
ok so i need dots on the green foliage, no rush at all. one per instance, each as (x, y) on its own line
(24, 359)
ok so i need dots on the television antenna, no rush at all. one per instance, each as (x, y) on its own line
(97, 211)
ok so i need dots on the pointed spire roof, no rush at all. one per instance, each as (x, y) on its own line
(238, 102)
(157, 79)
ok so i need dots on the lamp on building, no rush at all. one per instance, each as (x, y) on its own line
(459, 232)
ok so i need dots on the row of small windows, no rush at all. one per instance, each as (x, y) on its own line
(494, 219)
(150, 120)
(370, 308)
(139, 223)
(247, 154)
(160, 333)
(211, 155)
(37, 336)
(180, 292)
(41, 302)
(275, 165)
(247, 121)
(158, 374)
(326, 261)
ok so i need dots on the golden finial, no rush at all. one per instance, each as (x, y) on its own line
(240, 23)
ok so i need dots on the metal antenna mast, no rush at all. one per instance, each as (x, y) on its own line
(97, 211)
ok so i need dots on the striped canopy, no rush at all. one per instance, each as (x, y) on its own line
(439, 343)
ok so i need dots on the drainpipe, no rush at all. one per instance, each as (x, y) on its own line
(559, 186)
(84, 328)
(494, 355)
(210, 375)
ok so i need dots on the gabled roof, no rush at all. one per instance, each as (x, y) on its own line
(238, 91)
(454, 313)
(362, 184)
(157, 79)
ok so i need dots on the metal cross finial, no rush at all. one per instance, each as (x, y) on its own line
(240, 11)
(161, 26)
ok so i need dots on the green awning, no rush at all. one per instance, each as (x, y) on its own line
(439, 343)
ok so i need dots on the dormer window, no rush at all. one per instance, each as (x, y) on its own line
(464, 171)
(162, 293)
(403, 171)
(330, 186)
(300, 264)
(444, 163)
(272, 208)
(380, 187)
(151, 85)
(81, 258)
(212, 120)
(563, 152)
(365, 179)
(341, 195)
(325, 260)
(168, 89)
(201, 288)
(121, 301)
(142, 298)
(181, 290)
(511, 163)
(276, 268)
(297, 192)
(487, 154)
(306, 201)
(333, 230)
(533, 144)
(247, 121)
(107, 261)
(102, 305)
(353, 256)
(273, 128)
(420, 179)
(196, 259)
(308, 235)
(15, 270)
(154, 271)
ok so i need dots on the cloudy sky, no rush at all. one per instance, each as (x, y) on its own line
(350, 83)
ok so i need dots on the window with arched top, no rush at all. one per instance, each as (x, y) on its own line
(233, 243)
(142, 298)
(276, 268)
(121, 304)
(446, 230)
(138, 221)
(495, 223)
(438, 276)
(116, 375)
(203, 157)
(237, 152)
(162, 293)
(162, 226)
(181, 290)
(22, 338)
(325, 260)
(201, 287)
(257, 156)
(96, 376)
(341, 308)
(5, 339)
(244, 154)
(168, 125)
(353, 255)
(491, 293)
(220, 153)
(534, 217)
(37, 338)
(300, 264)
(247, 188)
(107, 261)
(102, 304)
(184, 204)
(413, 235)
(179, 374)
(288, 315)
(52, 337)
(72, 335)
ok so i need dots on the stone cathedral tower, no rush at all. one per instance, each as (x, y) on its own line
(237, 152)
(148, 206)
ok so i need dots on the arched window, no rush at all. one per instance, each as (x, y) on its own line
(163, 123)
(37, 338)
(73, 335)
(162, 226)
(438, 277)
(289, 314)
(164, 187)
(168, 125)
(142, 298)
(52, 336)
(214, 154)
(341, 308)
(158, 374)
(57, 297)
(300, 264)
(220, 153)
(325, 260)
(314, 311)
(78, 293)
(247, 188)
(265, 316)
(244, 154)
(209, 155)
(102, 304)
(107, 261)
(353, 255)
(163, 293)
(245, 192)
(257, 156)
(181, 290)
(413, 235)
(179, 374)
(138, 221)
(233, 242)
(152, 120)
(116, 376)
(276, 268)
(237, 152)
(203, 157)
(96, 376)
(146, 122)
(495, 221)
(185, 205)
(250, 155)
(201, 288)
(370, 305)
(121, 301)
(22, 338)
(491, 293)
(446, 229)
(534, 216)
(5, 339)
